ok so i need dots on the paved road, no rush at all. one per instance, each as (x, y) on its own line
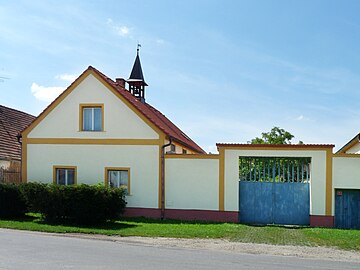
(26, 250)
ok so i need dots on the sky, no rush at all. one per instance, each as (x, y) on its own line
(223, 71)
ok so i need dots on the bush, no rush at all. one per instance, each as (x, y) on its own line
(12, 204)
(35, 196)
(82, 204)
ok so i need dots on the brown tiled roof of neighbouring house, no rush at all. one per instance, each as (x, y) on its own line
(12, 122)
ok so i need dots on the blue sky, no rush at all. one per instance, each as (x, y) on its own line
(223, 71)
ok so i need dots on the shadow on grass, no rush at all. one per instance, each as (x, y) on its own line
(109, 225)
(290, 227)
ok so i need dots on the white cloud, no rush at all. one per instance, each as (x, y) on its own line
(160, 41)
(66, 77)
(302, 118)
(119, 29)
(47, 94)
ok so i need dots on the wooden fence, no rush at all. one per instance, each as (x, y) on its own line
(11, 174)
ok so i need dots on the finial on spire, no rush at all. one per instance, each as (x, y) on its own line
(138, 48)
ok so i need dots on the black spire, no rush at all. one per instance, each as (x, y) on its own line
(136, 80)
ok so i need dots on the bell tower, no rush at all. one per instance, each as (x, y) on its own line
(136, 80)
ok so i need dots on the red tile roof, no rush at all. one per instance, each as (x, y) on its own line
(155, 116)
(12, 122)
(300, 146)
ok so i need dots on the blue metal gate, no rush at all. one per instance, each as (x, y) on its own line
(347, 209)
(274, 190)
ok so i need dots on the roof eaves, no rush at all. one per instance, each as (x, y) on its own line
(349, 144)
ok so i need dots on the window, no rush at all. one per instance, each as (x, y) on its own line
(91, 117)
(184, 151)
(172, 148)
(65, 175)
(118, 178)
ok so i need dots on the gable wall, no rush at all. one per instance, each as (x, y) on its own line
(119, 120)
(354, 149)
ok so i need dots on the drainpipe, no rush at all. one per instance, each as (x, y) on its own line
(163, 177)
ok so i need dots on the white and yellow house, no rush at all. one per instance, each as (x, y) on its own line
(99, 131)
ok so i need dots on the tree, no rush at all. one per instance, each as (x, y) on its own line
(275, 136)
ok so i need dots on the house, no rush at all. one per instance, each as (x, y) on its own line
(352, 147)
(98, 130)
(12, 122)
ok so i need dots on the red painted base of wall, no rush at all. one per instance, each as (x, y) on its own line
(142, 212)
(321, 221)
(208, 215)
(180, 214)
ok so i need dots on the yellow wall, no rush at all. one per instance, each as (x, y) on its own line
(318, 173)
(191, 183)
(91, 161)
(119, 120)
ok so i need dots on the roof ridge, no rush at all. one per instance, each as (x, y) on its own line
(16, 110)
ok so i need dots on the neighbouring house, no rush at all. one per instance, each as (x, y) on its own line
(352, 147)
(12, 122)
(99, 130)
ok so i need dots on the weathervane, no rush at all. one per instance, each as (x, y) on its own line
(138, 48)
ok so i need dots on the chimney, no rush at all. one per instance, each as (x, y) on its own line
(120, 82)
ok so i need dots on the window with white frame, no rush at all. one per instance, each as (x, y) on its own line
(92, 118)
(65, 176)
(119, 178)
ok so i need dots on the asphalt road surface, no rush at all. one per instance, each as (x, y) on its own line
(26, 250)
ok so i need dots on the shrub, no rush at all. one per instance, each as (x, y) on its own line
(35, 195)
(12, 204)
(82, 204)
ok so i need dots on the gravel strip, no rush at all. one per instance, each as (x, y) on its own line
(324, 253)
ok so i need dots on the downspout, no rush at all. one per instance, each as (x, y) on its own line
(163, 177)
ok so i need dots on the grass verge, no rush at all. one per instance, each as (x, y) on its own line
(276, 235)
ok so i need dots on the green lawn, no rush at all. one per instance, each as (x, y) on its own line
(343, 239)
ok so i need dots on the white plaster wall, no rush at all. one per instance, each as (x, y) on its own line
(119, 120)
(318, 173)
(346, 172)
(192, 183)
(91, 161)
(354, 150)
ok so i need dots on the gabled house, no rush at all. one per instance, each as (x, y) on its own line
(97, 130)
(352, 147)
(12, 122)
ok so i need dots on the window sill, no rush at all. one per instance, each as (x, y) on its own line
(92, 131)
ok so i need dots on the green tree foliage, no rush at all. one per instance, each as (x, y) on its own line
(275, 136)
